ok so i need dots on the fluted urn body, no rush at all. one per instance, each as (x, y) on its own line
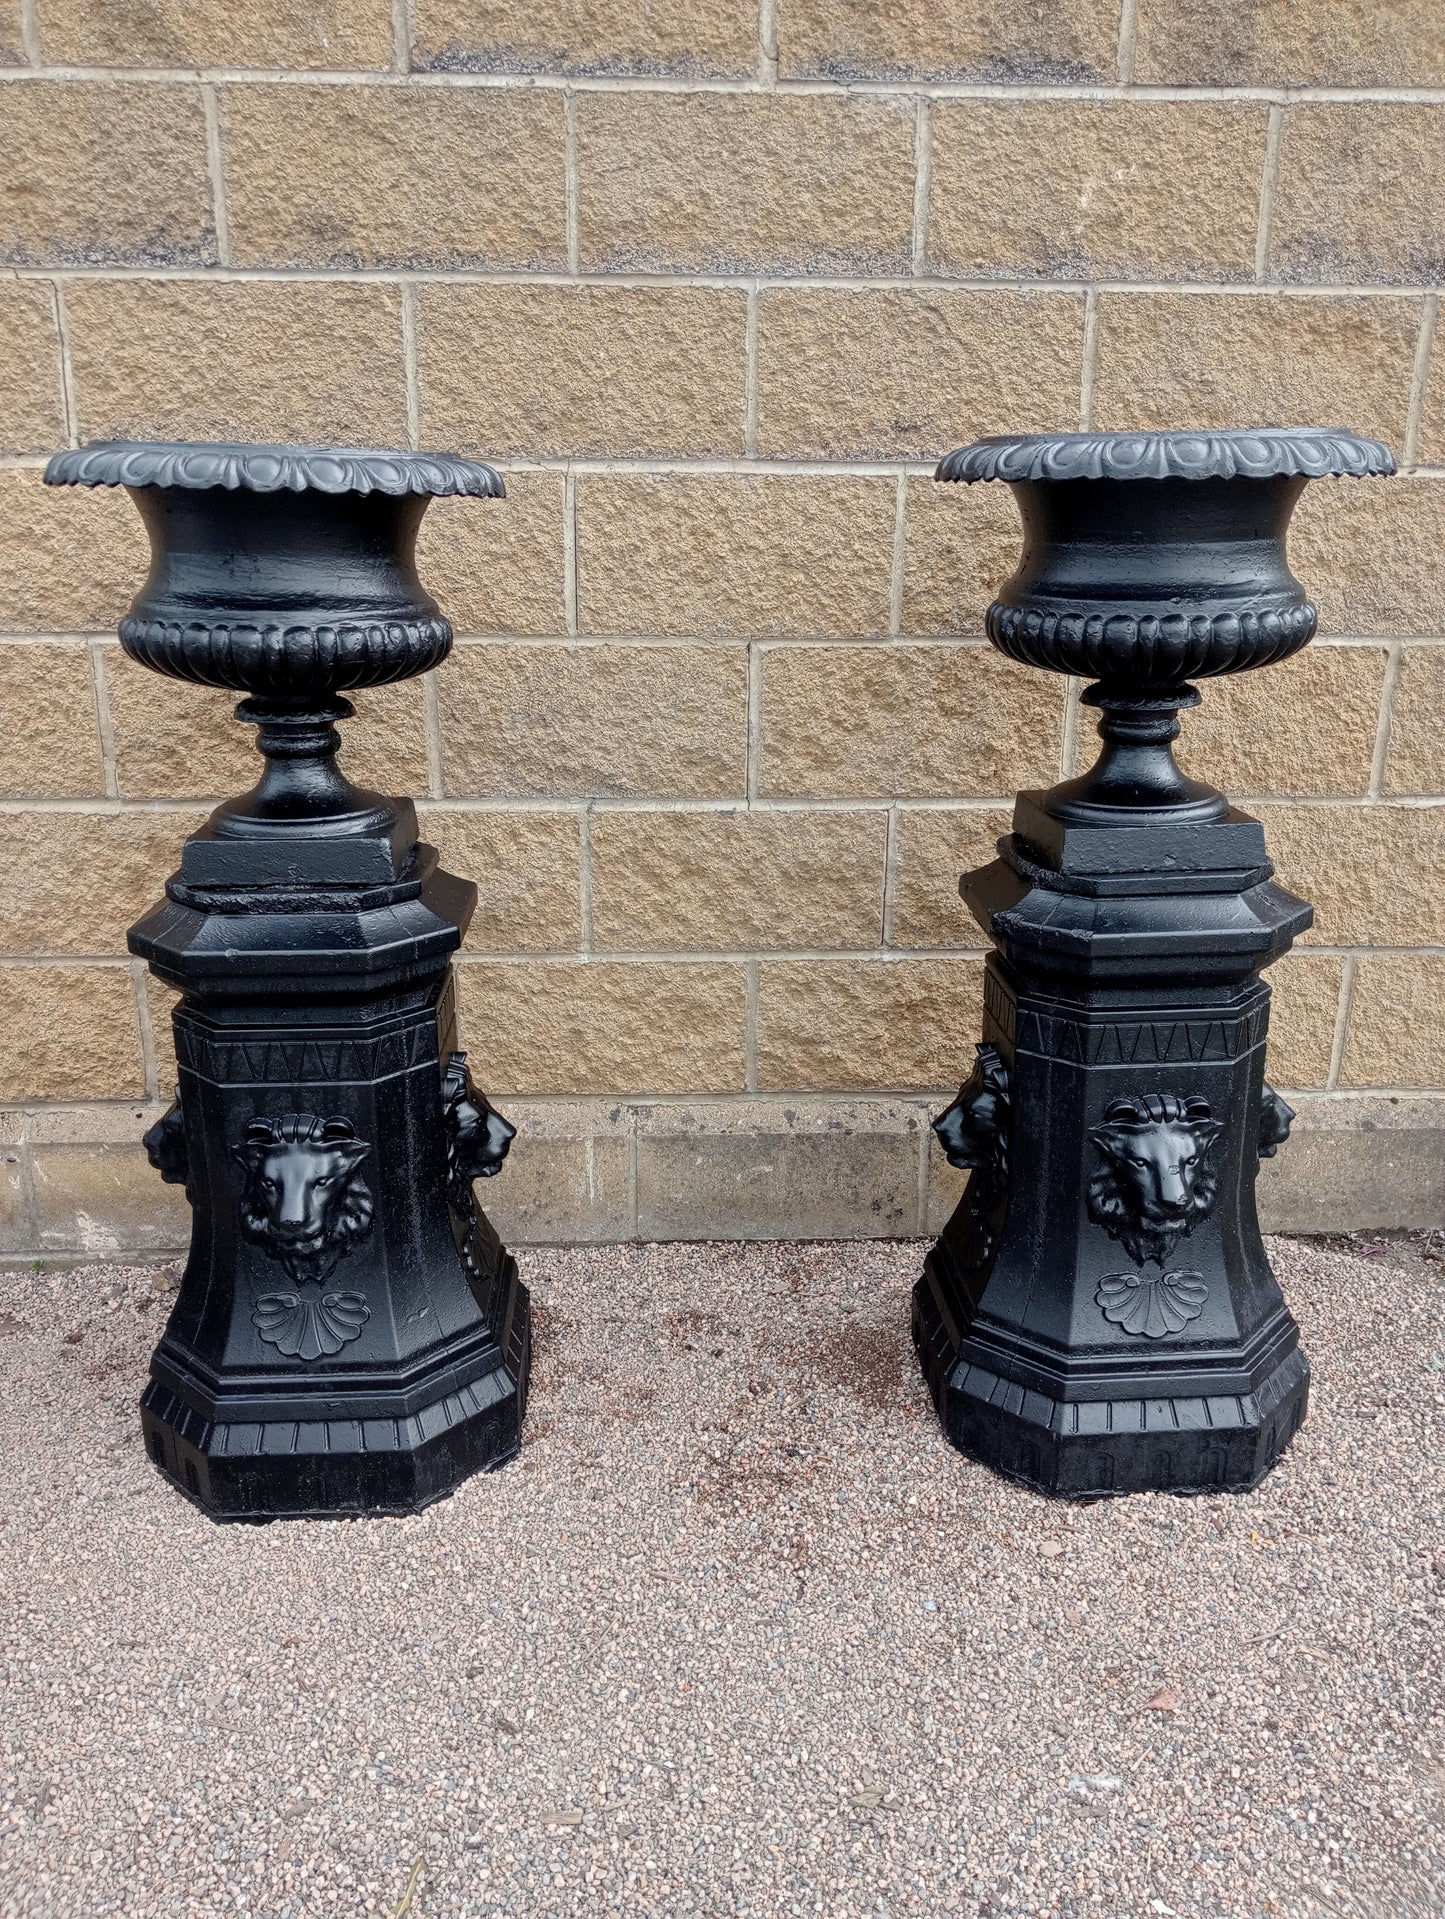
(1099, 1315)
(350, 1335)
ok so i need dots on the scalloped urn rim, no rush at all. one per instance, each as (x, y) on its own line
(260, 467)
(1256, 453)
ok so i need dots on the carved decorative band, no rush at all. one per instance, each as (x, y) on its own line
(200, 465)
(1196, 1042)
(1257, 453)
(287, 659)
(1170, 646)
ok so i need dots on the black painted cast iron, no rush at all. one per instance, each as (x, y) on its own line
(1099, 1316)
(350, 1335)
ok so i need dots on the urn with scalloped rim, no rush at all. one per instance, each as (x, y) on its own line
(1104, 1319)
(350, 1335)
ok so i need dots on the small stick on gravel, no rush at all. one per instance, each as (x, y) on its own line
(418, 1867)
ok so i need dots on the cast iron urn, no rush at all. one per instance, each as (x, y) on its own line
(1099, 1315)
(350, 1335)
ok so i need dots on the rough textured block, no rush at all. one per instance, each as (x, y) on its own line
(1297, 43)
(1255, 360)
(1353, 1165)
(76, 881)
(962, 544)
(253, 361)
(32, 419)
(964, 40)
(567, 1179)
(1307, 726)
(595, 721)
(731, 182)
(17, 1219)
(1359, 194)
(12, 36)
(1373, 554)
(48, 724)
(380, 176)
(702, 38)
(605, 1026)
(161, 1004)
(1396, 1034)
(935, 848)
(745, 554)
(70, 561)
(1417, 724)
(737, 881)
(74, 195)
(527, 870)
(888, 374)
(908, 721)
(334, 34)
(852, 1024)
(497, 566)
(97, 1201)
(585, 369)
(758, 1170)
(1306, 989)
(69, 1032)
(1372, 873)
(1070, 189)
(178, 741)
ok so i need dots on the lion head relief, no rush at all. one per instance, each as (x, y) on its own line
(973, 1132)
(478, 1138)
(303, 1199)
(1156, 1182)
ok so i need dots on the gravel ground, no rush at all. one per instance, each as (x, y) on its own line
(737, 1634)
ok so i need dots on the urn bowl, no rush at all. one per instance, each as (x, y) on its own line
(285, 572)
(1150, 559)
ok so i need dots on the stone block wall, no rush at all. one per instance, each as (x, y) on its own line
(714, 282)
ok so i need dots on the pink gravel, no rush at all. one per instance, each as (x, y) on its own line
(738, 1634)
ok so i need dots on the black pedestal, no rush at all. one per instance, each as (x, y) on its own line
(1099, 1316)
(350, 1335)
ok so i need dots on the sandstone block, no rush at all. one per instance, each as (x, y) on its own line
(567, 1181)
(1220, 360)
(1071, 189)
(98, 1201)
(1307, 726)
(865, 1024)
(1359, 194)
(70, 561)
(285, 361)
(583, 370)
(702, 37)
(854, 722)
(1417, 724)
(497, 566)
(584, 722)
(962, 544)
(334, 34)
(1293, 43)
(747, 554)
(69, 1032)
(974, 40)
(737, 881)
(1372, 873)
(526, 867)
(74, 192)
(1372, 554)
(32, 419)
(892, 374)
(1306, 989)
(76, 881)
(757, 1170)
(935, 847)
(722, 183)
(382, 177)
(47, 721)
(604, 1026)
(1396, 1033)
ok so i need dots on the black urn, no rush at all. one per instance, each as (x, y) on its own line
(350, 1335)
(1099, 1315)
